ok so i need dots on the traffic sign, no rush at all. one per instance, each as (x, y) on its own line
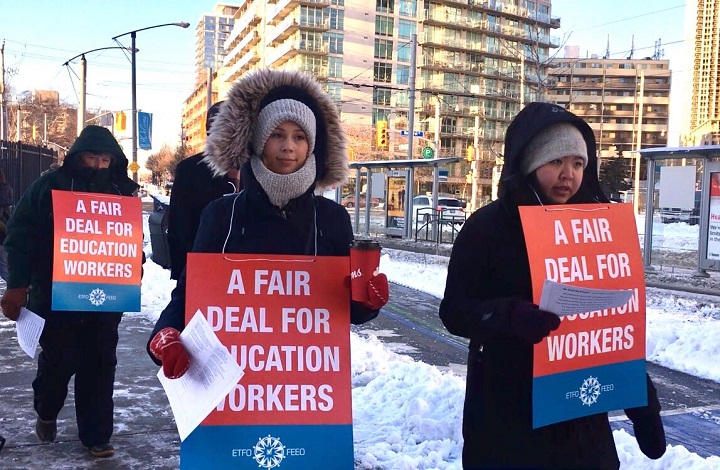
(134, 167)
(405, 133)
(428, 152)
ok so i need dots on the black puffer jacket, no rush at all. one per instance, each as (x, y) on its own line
(489, 269)
(249, 222)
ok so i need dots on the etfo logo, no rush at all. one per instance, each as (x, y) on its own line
(97, 297)
(269, 452)
(589, 391)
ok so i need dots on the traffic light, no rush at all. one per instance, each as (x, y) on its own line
(120, 121)
(382, 137)
(470, 153)
(351, 154)
(468, 178)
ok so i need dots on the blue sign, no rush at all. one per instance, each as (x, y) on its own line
(144, 130)
(415, 133)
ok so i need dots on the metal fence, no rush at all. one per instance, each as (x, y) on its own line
(23, 163)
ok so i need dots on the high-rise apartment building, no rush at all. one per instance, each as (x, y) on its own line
(211, 33)
(704, 126)
(470, 56)
(606, 93)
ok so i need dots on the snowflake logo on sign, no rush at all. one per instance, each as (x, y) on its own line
(97, 297)
(269, 452)
(590, 391)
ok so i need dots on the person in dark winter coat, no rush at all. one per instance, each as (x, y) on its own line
(284, 132)
(549, 159)
(82, 344)
(194, 187)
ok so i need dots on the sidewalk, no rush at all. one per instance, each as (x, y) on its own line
(145, 433)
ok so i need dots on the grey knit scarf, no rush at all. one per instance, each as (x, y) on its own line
(281, 188)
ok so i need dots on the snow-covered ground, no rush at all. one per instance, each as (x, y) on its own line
(408, 414)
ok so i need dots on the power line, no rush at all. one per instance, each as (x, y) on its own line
(630, 18)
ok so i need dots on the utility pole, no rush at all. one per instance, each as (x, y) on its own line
(436, 171)
(474, 164)
(83, 87)
(522, 77)
(409, 193)
(3, 109)
(636, 193)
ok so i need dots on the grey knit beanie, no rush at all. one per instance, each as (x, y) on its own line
(557, 141)
(277, 112)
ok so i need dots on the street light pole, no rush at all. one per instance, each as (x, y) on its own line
(134, 165)
(83, 84)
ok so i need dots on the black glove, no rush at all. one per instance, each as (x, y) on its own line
(529, 322)
(647, 425)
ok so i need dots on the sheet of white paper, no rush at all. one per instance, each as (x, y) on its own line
(213, 373)
(29, 327)
(563, 299)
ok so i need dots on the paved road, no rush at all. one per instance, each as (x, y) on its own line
(691, 406)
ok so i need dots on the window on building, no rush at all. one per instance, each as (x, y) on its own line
(408, 7)
(380, 114)
(384, 25)
(404, 51)
(335, 42)
(339, 3)
(311, 16)
(335, 67)
(385, 6)
(337, 18)
(383, 49)
(381, 97)
(402, 75)
(382, 72)
(334, 89)
(406, 29)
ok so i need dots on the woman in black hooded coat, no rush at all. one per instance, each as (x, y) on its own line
(277, 212)
(488, 299)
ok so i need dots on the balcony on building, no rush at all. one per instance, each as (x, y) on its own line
(293, 46)
(290, 25)
(281, 9)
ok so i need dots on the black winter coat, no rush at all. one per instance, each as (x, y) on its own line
(260, 227)
(194, 187)
(488, 271)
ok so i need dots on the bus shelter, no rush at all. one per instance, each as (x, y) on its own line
(399, 175)
(683, 185)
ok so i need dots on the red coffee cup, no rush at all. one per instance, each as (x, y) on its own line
(364, 264)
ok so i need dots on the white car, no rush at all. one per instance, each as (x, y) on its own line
(448, 209)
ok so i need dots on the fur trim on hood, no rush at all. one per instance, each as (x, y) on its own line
(229, 145)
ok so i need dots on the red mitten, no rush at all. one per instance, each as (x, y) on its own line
(378, 291)
(166, 347)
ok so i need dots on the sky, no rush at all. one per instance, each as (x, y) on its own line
(408, 415)
(634, 25)
(42, 35)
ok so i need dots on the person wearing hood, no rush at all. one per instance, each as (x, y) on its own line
(194, 187)
(82, 344)
(549, 159)
(283, 132)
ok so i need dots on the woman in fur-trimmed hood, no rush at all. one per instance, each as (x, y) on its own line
(231, 143)
(284, 134)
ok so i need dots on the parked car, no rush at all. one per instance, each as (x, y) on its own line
(349, 201)
(669, 215)
(448, 208)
